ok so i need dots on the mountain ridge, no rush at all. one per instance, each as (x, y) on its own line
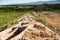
(38, 3)
(44, 2)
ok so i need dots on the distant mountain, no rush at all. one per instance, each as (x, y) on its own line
(44, 2)
(39, 2)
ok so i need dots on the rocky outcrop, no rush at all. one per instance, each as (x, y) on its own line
(28, 29)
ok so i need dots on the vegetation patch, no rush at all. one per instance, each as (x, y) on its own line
(7, 18)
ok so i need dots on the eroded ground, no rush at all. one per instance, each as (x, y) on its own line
(29, 29)
(52, 17)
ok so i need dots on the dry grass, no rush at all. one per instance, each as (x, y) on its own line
(53, 19)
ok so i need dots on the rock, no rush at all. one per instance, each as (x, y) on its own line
(33, 31)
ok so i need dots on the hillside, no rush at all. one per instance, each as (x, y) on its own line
(29, 29)
(30, 22)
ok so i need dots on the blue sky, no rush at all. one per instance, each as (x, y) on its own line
(4, 2)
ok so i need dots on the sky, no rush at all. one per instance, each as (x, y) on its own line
(5, 2)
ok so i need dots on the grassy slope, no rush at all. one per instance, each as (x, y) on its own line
(7, 18)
